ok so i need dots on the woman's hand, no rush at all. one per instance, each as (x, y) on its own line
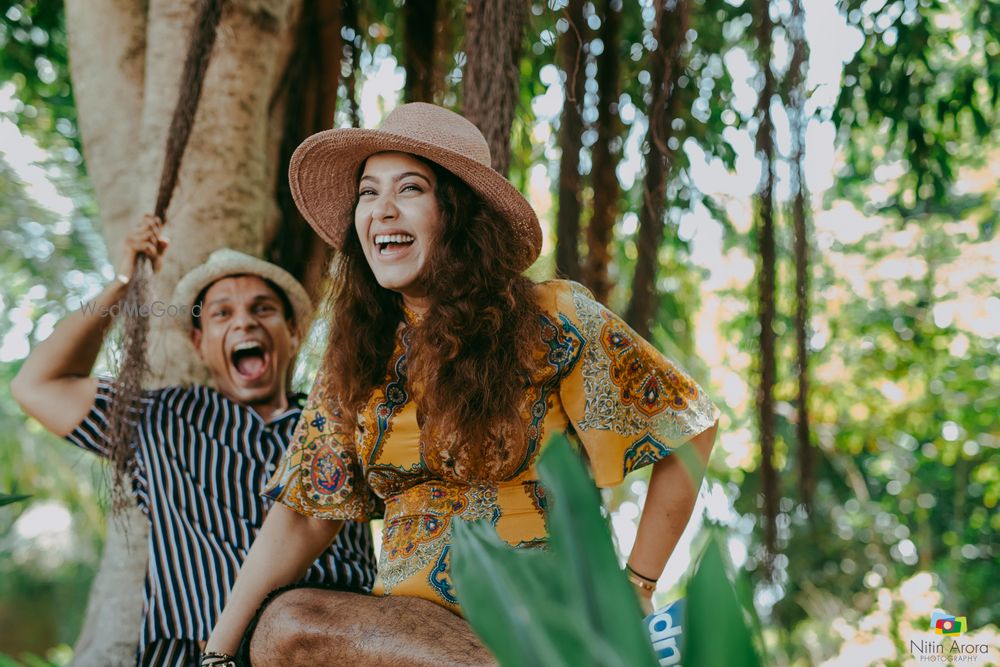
(146, 239)
(645, 599)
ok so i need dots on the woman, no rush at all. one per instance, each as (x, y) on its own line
(447, 369)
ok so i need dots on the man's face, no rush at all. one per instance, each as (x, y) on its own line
(245, 340)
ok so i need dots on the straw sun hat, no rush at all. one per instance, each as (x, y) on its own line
(324, 169)
(227, 262)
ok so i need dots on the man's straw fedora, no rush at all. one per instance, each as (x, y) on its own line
(226, 262)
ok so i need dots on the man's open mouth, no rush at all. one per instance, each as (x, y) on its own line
(249, 359)
(390, 243)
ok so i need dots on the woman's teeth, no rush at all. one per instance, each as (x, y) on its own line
(383, 241)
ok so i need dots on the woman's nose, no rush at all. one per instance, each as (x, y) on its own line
(384, 208)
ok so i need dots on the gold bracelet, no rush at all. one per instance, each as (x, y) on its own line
(639, 582)
(631, 569)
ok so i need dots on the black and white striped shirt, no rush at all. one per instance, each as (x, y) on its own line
(201, 462)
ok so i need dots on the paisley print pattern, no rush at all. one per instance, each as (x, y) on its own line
(627, 405)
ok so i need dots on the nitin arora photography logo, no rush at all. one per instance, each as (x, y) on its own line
(949, 626)
(950, 648)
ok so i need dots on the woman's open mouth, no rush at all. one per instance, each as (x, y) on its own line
(392, 244)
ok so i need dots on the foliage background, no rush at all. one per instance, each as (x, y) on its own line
(902, 163)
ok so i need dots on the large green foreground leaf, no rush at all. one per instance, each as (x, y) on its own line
(717, 634)
(567, 605)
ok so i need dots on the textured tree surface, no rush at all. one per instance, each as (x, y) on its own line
(672, 20)
(766, 275)
(800, 211)
(126, 79)
(605, 158)
(419, 36)
(573, 59)
(494, 30)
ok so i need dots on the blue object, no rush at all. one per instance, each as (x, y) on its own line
(666, 632)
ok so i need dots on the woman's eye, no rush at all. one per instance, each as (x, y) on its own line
(365, 192)
(411, 187)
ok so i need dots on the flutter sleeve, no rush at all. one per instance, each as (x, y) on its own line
(320, 474)
(629, 405)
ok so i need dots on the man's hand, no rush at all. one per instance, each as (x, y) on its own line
(147, 239)
(54, 384)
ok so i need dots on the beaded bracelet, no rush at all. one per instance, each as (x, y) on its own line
(213, 659)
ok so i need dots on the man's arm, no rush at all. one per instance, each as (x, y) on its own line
(54, 385)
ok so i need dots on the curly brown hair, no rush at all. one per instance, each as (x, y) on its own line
(472, 355)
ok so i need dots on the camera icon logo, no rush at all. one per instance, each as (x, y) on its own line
(947, 625)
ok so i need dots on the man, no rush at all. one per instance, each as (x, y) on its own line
(201, 454)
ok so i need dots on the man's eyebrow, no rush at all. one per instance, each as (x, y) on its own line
(260, 296)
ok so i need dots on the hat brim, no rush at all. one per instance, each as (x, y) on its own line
(224, 263)
(324, 168)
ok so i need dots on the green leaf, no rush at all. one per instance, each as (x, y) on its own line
(567, 605)
(6, 499)
(717, 632)
(581, 539)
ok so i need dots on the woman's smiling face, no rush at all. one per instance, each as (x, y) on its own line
(398, 220)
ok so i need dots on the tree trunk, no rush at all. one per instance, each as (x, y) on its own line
(494, 30)
(797, 92)
(419, 32)
(126, 60)
(666, 67)
(308, 95)
(605, 158)
(766, 276)
(352, 54)
(573, 58)
(444, 50)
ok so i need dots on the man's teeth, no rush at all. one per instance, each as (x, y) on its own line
(247, 345)
(393, 238)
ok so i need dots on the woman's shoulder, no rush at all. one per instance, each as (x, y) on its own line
(564, 297)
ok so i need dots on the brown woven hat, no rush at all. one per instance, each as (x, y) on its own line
(324, 169)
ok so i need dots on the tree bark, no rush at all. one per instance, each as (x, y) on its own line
(107, 50)
(494, 31)
(126, 60)
(797, 92)
(766, 277)
(352, 53)
(672, 20)
(419, 36)
(573, 58)
(605, 158)
(307, 104)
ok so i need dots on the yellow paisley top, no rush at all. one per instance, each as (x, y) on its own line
(617, 395)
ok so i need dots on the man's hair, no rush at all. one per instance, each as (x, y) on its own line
(199, 301)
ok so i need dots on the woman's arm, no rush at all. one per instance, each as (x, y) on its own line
(673, 489)
(287, 544)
